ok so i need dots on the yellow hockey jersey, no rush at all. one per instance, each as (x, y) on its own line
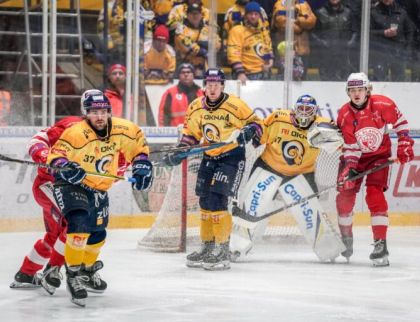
(159, 66)
(217, 124)
(234, 16)
(249, 48)
(179, 13)
(80, 144)
(287, 149)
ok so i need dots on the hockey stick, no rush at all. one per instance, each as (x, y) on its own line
(189, 147)
(49, 167)
(246, 219)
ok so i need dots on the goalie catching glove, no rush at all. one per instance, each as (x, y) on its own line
(72, 172)
(405, 148)
(326, 136)
(347, 171)
(143, 173)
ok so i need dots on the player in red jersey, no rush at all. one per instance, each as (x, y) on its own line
(49, 250)
(364, 123)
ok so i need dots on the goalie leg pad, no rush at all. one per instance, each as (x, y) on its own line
(257, 199)
(312, 220)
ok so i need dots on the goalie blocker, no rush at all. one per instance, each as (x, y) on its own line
(311, 218)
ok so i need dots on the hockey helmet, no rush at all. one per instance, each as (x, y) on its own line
(358, 80)
(96, 102)
(85, 95)
(214, 75)
(305, 111)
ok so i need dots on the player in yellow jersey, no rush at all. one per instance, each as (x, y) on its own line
(213, 117)
(93, 145)
(287, 154)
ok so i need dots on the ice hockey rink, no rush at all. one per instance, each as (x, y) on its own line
(273, 283)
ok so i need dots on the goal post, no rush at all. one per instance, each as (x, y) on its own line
(177, 224)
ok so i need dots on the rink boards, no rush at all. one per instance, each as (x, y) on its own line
(19, 211)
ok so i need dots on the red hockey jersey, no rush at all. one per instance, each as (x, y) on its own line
(366, 131)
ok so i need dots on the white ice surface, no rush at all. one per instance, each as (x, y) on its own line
(273, 283)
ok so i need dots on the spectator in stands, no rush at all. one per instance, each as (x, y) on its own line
(114, 89)
(250, 50)
(4, 108)
(159, 57)
(192, 40)
(334, 35)
(413, 10)
(179, 13)
(298, 69)
(235, 16)
(391, 40)
(304, 21)
(161, 8)
(175, 101)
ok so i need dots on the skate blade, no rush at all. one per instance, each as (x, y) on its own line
(194, 264)
(92, 290)
(79, 302)
(224, 265)
(50, 289)
(380, 262)
(24, 286)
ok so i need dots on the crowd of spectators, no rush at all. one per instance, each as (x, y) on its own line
(326, 38)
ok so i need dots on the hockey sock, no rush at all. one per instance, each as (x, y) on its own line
(57, 256)
(75, 248)
(92, 253)
(206, 227)
(222, 226)
(345, 223)
(379, 222)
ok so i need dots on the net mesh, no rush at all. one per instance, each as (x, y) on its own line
(166, 232)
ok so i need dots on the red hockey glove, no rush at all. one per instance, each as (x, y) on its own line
(405, 148)
(347, 172)
(39, 153)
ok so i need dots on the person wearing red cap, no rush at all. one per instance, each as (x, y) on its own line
(114, 88)
(159, 58)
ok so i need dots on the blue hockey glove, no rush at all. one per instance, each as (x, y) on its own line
(143, 173)
(246, 135)
(73, 176)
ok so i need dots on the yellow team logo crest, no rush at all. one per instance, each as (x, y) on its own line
(293, 152)
(211, 133)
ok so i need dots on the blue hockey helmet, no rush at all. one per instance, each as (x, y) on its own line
(214, 75)
(96, 102)
(305, 111)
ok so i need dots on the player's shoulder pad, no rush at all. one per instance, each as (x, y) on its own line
(281, 115)
(381, 99)
(196, 104)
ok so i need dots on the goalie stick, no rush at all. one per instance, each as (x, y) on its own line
(49, 167)
(249, 220)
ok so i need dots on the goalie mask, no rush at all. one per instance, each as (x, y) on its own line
(358, 80)
(305, 111)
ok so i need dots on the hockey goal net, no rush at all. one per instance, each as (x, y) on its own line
(178, 221)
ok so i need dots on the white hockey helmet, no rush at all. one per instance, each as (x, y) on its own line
(358, 80)
(305, 111)
(85, 95)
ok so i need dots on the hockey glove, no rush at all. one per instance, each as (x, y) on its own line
(246, 135)
(39, 153)
(143, 173)
(172, 158)
(405, 149)
(75, 175)
(347, 172)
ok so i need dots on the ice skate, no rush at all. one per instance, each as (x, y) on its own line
(380, 253)
(195, 259)
(348, 242)
(219, 258)
(51, 279)
(75, 287)
(91, 279)
(25, 281)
